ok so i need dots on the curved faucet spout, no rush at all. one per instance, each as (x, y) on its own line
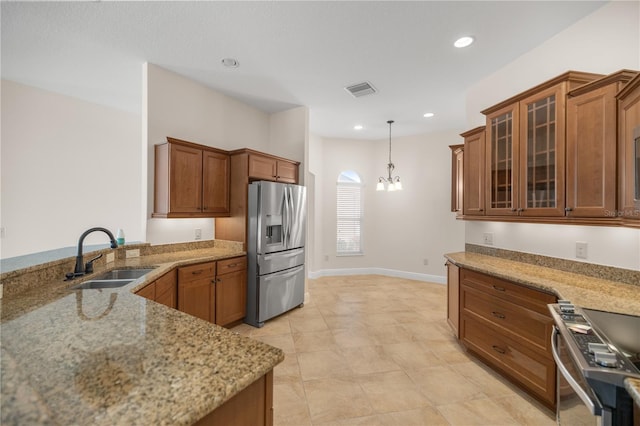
(79, 269)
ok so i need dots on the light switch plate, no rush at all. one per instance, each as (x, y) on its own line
(488, 238)
(133, 253)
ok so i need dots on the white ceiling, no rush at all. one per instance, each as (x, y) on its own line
(290, 53)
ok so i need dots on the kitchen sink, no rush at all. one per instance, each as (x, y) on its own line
(113, 279)
(101, 284)
(123, 274)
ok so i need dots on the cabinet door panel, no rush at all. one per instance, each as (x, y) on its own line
(185, 186)
(501, 161)
(542, 153)
(262, 167)
(167, 289)
(453, 296)
(148, 292)
(215, 182)
(473, 171)
(287, 172)
(231, 297)
(591, 153)
(195, 298)
(629, 161)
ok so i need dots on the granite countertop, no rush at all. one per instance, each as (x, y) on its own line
(584, 291)
(109, 356)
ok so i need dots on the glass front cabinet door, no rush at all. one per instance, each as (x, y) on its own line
(542, 150)
(501, 161)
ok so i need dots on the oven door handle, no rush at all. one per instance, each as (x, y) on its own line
(594, 406)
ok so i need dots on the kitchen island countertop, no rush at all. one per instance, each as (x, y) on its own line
(111, 357)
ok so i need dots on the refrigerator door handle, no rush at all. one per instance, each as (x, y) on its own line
(293, 253)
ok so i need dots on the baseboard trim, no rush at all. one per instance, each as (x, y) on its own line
(378, 271)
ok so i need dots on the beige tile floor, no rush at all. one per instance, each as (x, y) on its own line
(374, 350)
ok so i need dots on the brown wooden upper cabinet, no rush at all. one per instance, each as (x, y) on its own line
(191, 180)
(264, 167)
(629, 153)
(457, 178)
(592, 147)
(525, 148)
(474, 152)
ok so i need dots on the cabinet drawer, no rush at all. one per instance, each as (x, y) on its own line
(194, 272)
(521, 323)
(232, 265)
(522, 365)
(524, 296)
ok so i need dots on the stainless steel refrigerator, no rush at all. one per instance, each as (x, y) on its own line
(275, 250)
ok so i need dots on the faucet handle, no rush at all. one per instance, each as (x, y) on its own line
(88, 267)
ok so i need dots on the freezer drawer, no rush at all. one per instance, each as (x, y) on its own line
(273, 262)
(280, 292)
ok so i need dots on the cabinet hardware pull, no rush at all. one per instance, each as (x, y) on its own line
(480, 210)
(520, 210)
(213, 281)
(233, 265)
(498, 315)
(198, 272)
(568, 209)
(499, 349)
(513, 209)
(495, 287)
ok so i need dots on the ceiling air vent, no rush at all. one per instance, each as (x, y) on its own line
(361, 89)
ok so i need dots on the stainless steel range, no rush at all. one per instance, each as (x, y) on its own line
(594, 351)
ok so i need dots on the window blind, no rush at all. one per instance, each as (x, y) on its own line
(349, 219)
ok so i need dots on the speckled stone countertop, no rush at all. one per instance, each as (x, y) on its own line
(111, 357)
(584, 291)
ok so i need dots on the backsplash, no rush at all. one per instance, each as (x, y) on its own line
(611, 273)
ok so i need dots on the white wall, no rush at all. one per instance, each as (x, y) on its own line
(67, 165)
(288, 133)
(178, 107)
(603, 42)
(401, 228)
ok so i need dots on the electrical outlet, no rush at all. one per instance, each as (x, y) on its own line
(326, 258)
(3, 233)
(581, 249)
(488, 238)
(111, 257)
(425, 262)
(133, 253)
(198, 234)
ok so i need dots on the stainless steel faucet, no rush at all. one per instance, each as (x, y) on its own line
(82, 268)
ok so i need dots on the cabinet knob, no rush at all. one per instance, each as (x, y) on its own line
(568, 209)
(495, 287)
(520, 210)
(480, 210)
(513, 209)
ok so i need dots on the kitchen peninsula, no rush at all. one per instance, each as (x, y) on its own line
(106, 356)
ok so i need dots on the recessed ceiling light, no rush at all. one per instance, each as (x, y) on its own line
(358, 127)
(230, 62)
(428, 114)
(463, 41)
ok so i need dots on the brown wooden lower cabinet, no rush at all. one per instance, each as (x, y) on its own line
(196, 291)
(231, 290)
(253, 406)
(508, 326)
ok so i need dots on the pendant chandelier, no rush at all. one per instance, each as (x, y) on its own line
(392, 182)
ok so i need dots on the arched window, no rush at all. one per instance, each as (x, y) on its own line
(349, 214)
